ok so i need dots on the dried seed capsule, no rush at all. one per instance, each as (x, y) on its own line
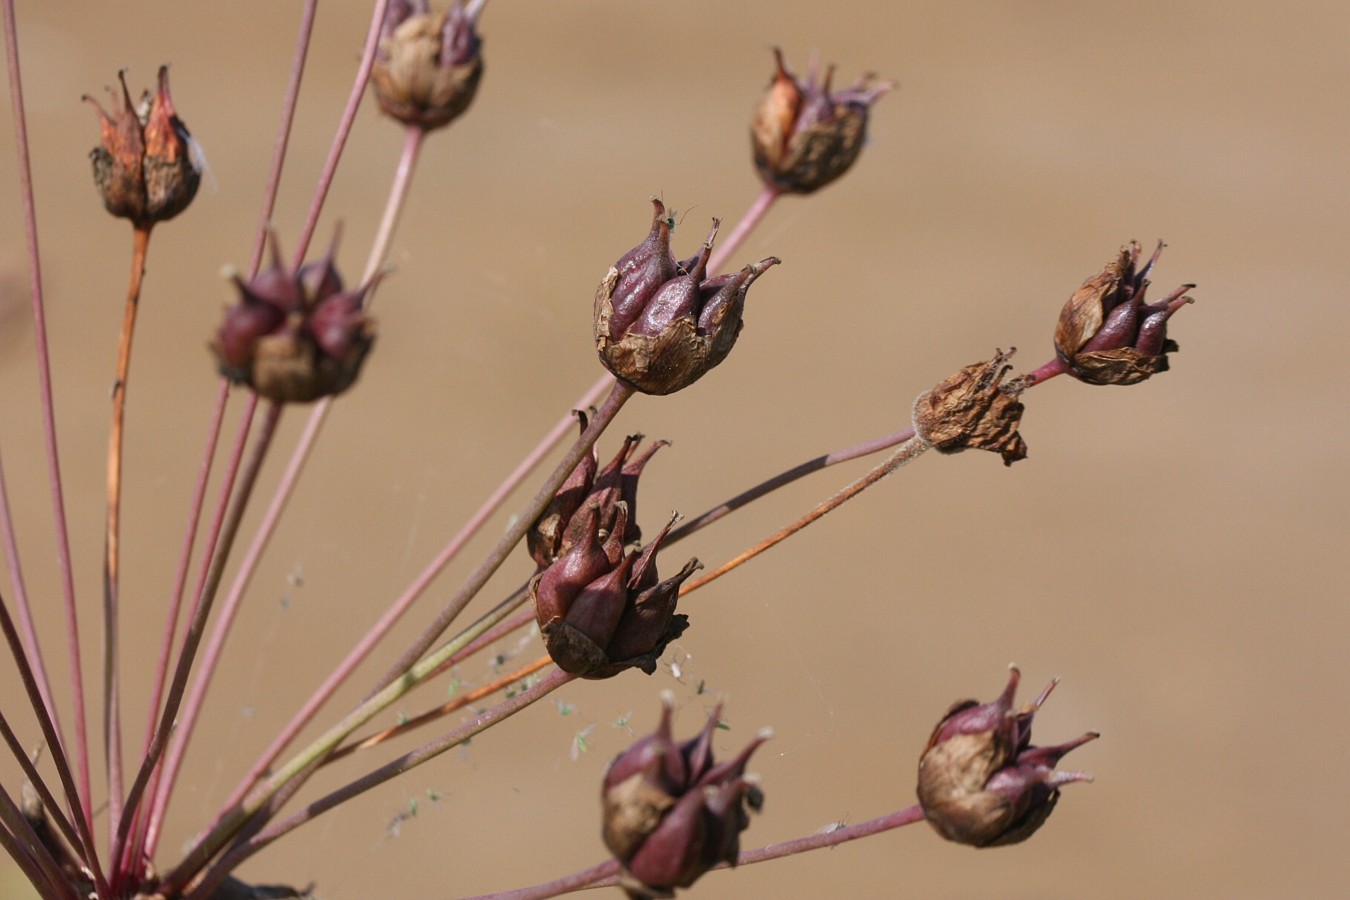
(147, 167)
(1106, 334)
(803, 135)
(555, 532)
(980, 780)
(974, 407)
(670, 812)
(601, 611)
(429, 63)
(295, 338)
(660, 325)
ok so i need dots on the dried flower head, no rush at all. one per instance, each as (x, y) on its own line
(429, 63)
(975, 407)
(660, 325)
(294, 338)
(804, 135)
(601, 608)
(671, 813)
(1106, 334)
(980, 780)
(147, 167)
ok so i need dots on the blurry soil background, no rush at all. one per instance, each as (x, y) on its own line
(1176, 552)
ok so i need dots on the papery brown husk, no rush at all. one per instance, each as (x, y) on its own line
(657, 364)
(1084, 314)
(814, 157)
(952, 776)
(412, 85)
(288, 368)
(974, 408)
(1122, 366)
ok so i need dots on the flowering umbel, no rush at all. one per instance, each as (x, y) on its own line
(980, 780)
(660, 325)
(146, 167)
(429, 63)
(671, 812)
(975, 407)
(1106, 333)
(294, 338)
(803, 134)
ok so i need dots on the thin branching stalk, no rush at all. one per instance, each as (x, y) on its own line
(344, 129)
(391, 616)
(587, 878)
(49, 418)
(484, 720)
(166, 774)
(409, 672)
(83, 827)
(284, 130)
(417, 721)
(866, 448)
(906, 452)
(748, 223)
(910, 447)
(202, 611)
(166, 780)
(32, 649)
(30, 772)
(20, 841)
(606, 874)
(397, 200)
(619, 395)
(834, 836)
(112, 704)
(140, 845)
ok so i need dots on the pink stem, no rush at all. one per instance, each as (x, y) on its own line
(748, 223)
(32, 649)
(166, 775)
(200, 614)
(85, 794)
(292, 95)
(245, 848)
(398, 196)
(344, 129)
(606, 873)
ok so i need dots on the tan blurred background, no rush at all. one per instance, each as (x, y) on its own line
(1176, 551)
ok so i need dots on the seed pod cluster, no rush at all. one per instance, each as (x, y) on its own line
(662, 324)
(671, 812)
(294, 338)
(146, 167)
(980, 780)
(803, 134)
(1106, 334)
(428, 64)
